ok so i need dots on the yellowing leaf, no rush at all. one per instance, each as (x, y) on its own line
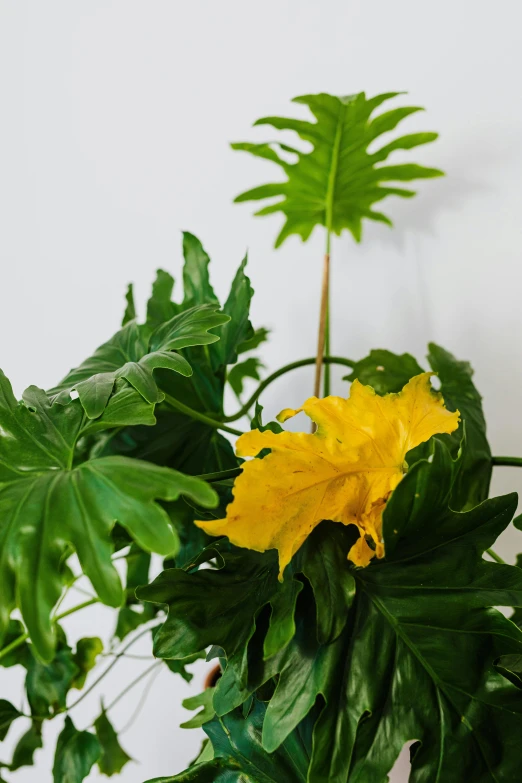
(345, 471)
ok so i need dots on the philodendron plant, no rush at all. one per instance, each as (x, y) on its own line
(344, 580)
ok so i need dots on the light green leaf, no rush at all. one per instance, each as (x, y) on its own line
(196, 281)
(47, 507)
(203, 700)
(336, 184)
(76, 752)
(87, 651)
(113, 758)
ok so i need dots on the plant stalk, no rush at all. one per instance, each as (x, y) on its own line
(323, 328)
(514, 462)
(216, 423)
(25, 636)
(327, 360)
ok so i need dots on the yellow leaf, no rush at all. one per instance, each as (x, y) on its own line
(345, 471)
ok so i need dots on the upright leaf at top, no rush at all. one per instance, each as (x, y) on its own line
(338, 182)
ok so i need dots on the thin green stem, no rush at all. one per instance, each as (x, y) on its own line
(495, 557)
(109, 668)
(514, 462)
(221, 476)
(216, 423)
(25, 636)
(277, 374)
(134, 682)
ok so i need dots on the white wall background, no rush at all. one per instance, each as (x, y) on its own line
(115, 121)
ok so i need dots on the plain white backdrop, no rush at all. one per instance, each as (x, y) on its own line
(116, 117)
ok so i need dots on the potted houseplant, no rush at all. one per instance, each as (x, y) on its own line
(343, 579)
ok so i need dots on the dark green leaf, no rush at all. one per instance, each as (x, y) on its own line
(385, 371)
(160, 308)
(134, 614)
(239, 372)
(130, 310)
(179, 666)
(46, 508)
(338, 182)
(23, 754)
(420, 631)
(87, 651)
(258, 338)
(47, 684)
(240, 756)
(196, 281)
(511, 667)
(8, 714)
(113, 758)
(76, 752)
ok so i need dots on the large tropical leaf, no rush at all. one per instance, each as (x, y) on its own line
(414, 659)
(50, 507)
(339, 181)
(239, 756)
(178, 440)
(388, 372)
(134, 354)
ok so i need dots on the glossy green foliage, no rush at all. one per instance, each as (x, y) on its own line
(76, 752)
(239, 756)
(49, 508)
(134, 353)
(415, 629)
(337, 183)
(388, 372)
(178, 440)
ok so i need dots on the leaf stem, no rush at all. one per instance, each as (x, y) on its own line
(221, 476)
(25, 636)
(495, 557)
(323, 328)
(515, 462)
(182, 408)
(110, 666)
(134, 682)
(282, 371)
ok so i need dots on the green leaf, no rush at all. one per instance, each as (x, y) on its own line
(421, 630)
(385, 371)
(134, 614)
(31, 741)
(47, 684)
(472, 483)
(388, 372)
(207, 712)
(87, 651)
(511, 667)
(337, 183)
(47, 507)
(238, 329)
(196, 281)
(258, 338)
(113, 758)
(76, 752)
(240, 756)
(239, 372)
(179, 666)
(8, 714)
(160, 308)
(130, 310)
(21, 653)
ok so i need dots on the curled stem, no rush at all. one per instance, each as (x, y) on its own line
(282, 371)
